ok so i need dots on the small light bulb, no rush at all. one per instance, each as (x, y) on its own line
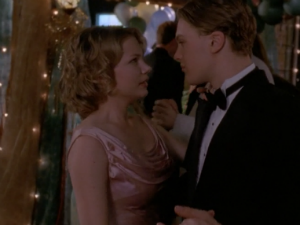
(34, 129)
(36, 196)
(298, 51)
(42, 162)
(162, 8)
(45, 75)
(295, 70)
(170, 4)
(297, 25)
(147, 2)
(0, 84)
(1, 149)
(156, 6)
(6, 115)
(4, 49)
(77, 22)
(55, 12)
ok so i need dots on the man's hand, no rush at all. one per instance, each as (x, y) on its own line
(165, 112)
(195, 217)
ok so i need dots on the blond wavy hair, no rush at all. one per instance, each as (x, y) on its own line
(88, 62)
(232, 17)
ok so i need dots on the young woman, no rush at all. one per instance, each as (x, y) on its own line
(118, 162)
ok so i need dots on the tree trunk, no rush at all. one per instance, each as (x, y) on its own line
(20, 140)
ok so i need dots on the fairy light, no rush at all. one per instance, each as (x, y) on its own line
(296, 70)
(162, 8)
(42, 161)
(0, 84)
(298, 25)
(147, 2)
(156, 6)
(36, 196)
(34, 129)
(1, 149)
(45, 75)
(6, 115)
(77, 22)
(55, 12)
(44, 96)
(170, 4)
(4, 49)
(298, 51)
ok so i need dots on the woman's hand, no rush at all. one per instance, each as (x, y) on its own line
(165, 112)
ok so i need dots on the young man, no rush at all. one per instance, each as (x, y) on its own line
(166, 80)
(243, 161)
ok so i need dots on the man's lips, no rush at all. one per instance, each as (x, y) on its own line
(144, 83)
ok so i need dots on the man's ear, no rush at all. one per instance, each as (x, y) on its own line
(217, 41)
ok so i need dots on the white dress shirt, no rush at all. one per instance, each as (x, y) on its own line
(183, 126)
(217, 115)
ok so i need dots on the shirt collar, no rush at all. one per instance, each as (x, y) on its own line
(232, 80)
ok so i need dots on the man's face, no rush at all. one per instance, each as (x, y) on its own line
(193, 53)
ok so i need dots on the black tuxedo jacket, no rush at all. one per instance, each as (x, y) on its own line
(251, 173)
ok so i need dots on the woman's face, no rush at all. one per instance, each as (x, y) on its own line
(131, 73)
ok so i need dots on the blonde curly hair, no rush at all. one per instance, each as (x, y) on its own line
(88, 62)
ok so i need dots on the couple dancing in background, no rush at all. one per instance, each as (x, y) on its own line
(242, 159)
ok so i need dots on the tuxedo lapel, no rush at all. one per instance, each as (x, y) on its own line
(231, 129)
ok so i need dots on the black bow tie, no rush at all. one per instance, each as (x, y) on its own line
(220, 99)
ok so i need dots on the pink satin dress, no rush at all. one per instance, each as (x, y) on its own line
(134, 179)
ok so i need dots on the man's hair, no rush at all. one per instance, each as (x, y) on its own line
(166, 32)
(88, 63)
(232, 17)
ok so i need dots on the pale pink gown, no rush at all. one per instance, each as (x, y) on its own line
(134, 179)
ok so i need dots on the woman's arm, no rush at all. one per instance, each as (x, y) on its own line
(88, 166)
(183, 127)
(176, 146)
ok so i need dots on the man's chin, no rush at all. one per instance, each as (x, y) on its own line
(194, 81)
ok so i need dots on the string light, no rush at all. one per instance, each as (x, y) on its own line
(44, 96)
(55, 12)
(42, 162)
(156, 6)
(1, 149)
(45, 75)
(298, 26)
(162, 8)
(77, 22)
(170, 4)
(6, 115)
(296, 70)
(298, 51)
(34, 129)
(147, 2)
(4, 49)
(36, 196)
(0, 84)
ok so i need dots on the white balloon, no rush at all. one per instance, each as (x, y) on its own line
(123, 12)
(150, 35)
(145, 11)
(158, 18)
(171, 13)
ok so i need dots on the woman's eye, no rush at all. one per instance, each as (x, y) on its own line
(134, 60)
